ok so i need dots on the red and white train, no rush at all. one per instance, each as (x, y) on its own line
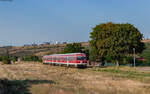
(75, 59)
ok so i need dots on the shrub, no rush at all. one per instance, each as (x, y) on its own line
(6, 60)
(40, 59)
(1, 58)
(73, 48)
(14, 58)
(30, 58)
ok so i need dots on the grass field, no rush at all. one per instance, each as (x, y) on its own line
(33, 78)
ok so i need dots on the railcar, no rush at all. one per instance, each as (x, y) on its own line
(75, 59)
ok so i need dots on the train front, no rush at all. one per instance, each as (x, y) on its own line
(82, 59)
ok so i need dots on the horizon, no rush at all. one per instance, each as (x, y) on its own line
(35, 21)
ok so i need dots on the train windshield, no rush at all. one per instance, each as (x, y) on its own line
(81, 58)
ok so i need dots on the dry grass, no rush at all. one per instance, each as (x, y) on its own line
(46, 79)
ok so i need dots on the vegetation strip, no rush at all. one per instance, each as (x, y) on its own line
(123, 73)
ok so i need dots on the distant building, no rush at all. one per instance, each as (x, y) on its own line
(47, 43)
(56, 42)
(26, 45)
(34, 44)
(64, 43)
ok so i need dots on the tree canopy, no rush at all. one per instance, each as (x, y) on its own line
(114, 40)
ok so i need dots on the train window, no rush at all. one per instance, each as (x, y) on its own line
(65, 58)
(81, 58)
(46, 58)
(78, 58)
(57, 58)
(71, 58)
(62, 58)
(49, 58)
(68, 59)
(54, 58)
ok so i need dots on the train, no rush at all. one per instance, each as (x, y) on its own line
(75, 59)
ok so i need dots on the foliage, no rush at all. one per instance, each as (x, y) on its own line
(86, 51)
(93, 54)
(1, 58)
(126, 60)
(6, 60)
(14, 58)
(30, 58)
(49, 53)
(73, 48)
(116, 40)
(146, 53)
(40, 59)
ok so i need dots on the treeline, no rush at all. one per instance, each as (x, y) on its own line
(10, 59)
(31, 58)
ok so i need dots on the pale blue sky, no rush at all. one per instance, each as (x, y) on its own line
(28, 21)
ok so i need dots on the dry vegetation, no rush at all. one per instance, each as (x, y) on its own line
(33, 78)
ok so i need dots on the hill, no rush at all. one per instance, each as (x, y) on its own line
(38, 50)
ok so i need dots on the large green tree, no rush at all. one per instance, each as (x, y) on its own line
(114, 40)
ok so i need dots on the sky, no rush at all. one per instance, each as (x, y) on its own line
(37, 21)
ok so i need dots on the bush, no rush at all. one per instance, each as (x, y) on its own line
(6, 60)
(40, 59)
(125, 60)
(146, 55)
(109, 59)
(30, 58)
(73, 48)
(14, 58)
(1, 58)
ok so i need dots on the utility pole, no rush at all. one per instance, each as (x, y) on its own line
(134, 56)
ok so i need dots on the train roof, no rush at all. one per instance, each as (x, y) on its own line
(64, 54)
